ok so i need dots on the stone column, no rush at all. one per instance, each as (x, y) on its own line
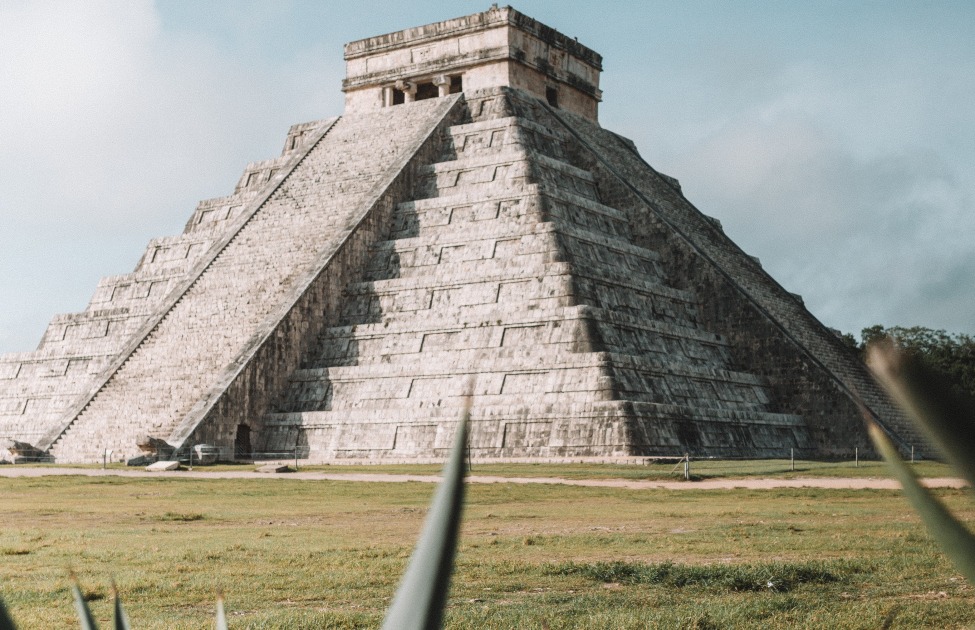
(442, 81)
(408, 89)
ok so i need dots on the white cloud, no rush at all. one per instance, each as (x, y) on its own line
(112, 130)
(863, 234)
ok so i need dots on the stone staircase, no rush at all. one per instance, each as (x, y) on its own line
(38, 388)
(238, 292)
(508, 272)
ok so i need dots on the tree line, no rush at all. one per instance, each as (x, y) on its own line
(951, 354)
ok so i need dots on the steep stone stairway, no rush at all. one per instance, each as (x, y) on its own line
(174, 369)
(38, 388)
(508, 272)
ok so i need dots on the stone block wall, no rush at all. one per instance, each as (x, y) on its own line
(811, 373)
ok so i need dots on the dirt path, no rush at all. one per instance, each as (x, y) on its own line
(849, 483)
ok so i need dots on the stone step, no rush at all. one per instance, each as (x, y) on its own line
(174, 252)
(23, 377)
(507, 169)
(481, 241)
(438, 204)
(486, 301)
(133, 289)
(257, 174)
(409, 333)
(646, 379)
(451, 277)
(553, 429)
(465, 129)
(448, 411)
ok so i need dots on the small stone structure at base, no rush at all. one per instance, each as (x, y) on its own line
(466, 223)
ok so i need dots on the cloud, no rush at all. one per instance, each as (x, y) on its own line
(866, 236)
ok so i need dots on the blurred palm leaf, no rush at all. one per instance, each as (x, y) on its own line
(221, 615)
(949, 422)
(6, 623)
(422, 594)
(121, 622)
(81, 607)
(951, 534)
(947, 418)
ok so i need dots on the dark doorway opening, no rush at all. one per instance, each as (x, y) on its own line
(242, 443)
(456, 85)
(552, 96)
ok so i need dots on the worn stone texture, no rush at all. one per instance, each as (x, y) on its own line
(498, 47)
(347, 295)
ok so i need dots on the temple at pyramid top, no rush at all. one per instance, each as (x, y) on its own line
(497, 48)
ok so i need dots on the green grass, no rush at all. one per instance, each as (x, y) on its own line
(317, 554)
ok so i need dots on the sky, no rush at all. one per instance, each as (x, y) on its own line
(833, 140)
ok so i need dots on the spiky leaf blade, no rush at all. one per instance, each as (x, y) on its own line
(956, 540)
(221, 615)
(6, 623)
(422, 594)
(81, 607)
(120, 620)
(945, 417)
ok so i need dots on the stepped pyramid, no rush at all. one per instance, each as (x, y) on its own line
(465, 223)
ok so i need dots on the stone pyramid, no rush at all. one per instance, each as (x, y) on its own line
(465, 224)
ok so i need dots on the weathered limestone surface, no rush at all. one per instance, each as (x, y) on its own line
(814, 373)
(185, 356)
(498, 47)
(467, 226)
(36, 388)
(509, 272)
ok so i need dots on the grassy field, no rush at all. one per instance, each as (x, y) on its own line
(316, 554)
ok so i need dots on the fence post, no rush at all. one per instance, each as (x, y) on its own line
(687, 466)
(296, 456)
(191, 457)
(912, 453)
(792, 456)
(856, 457)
